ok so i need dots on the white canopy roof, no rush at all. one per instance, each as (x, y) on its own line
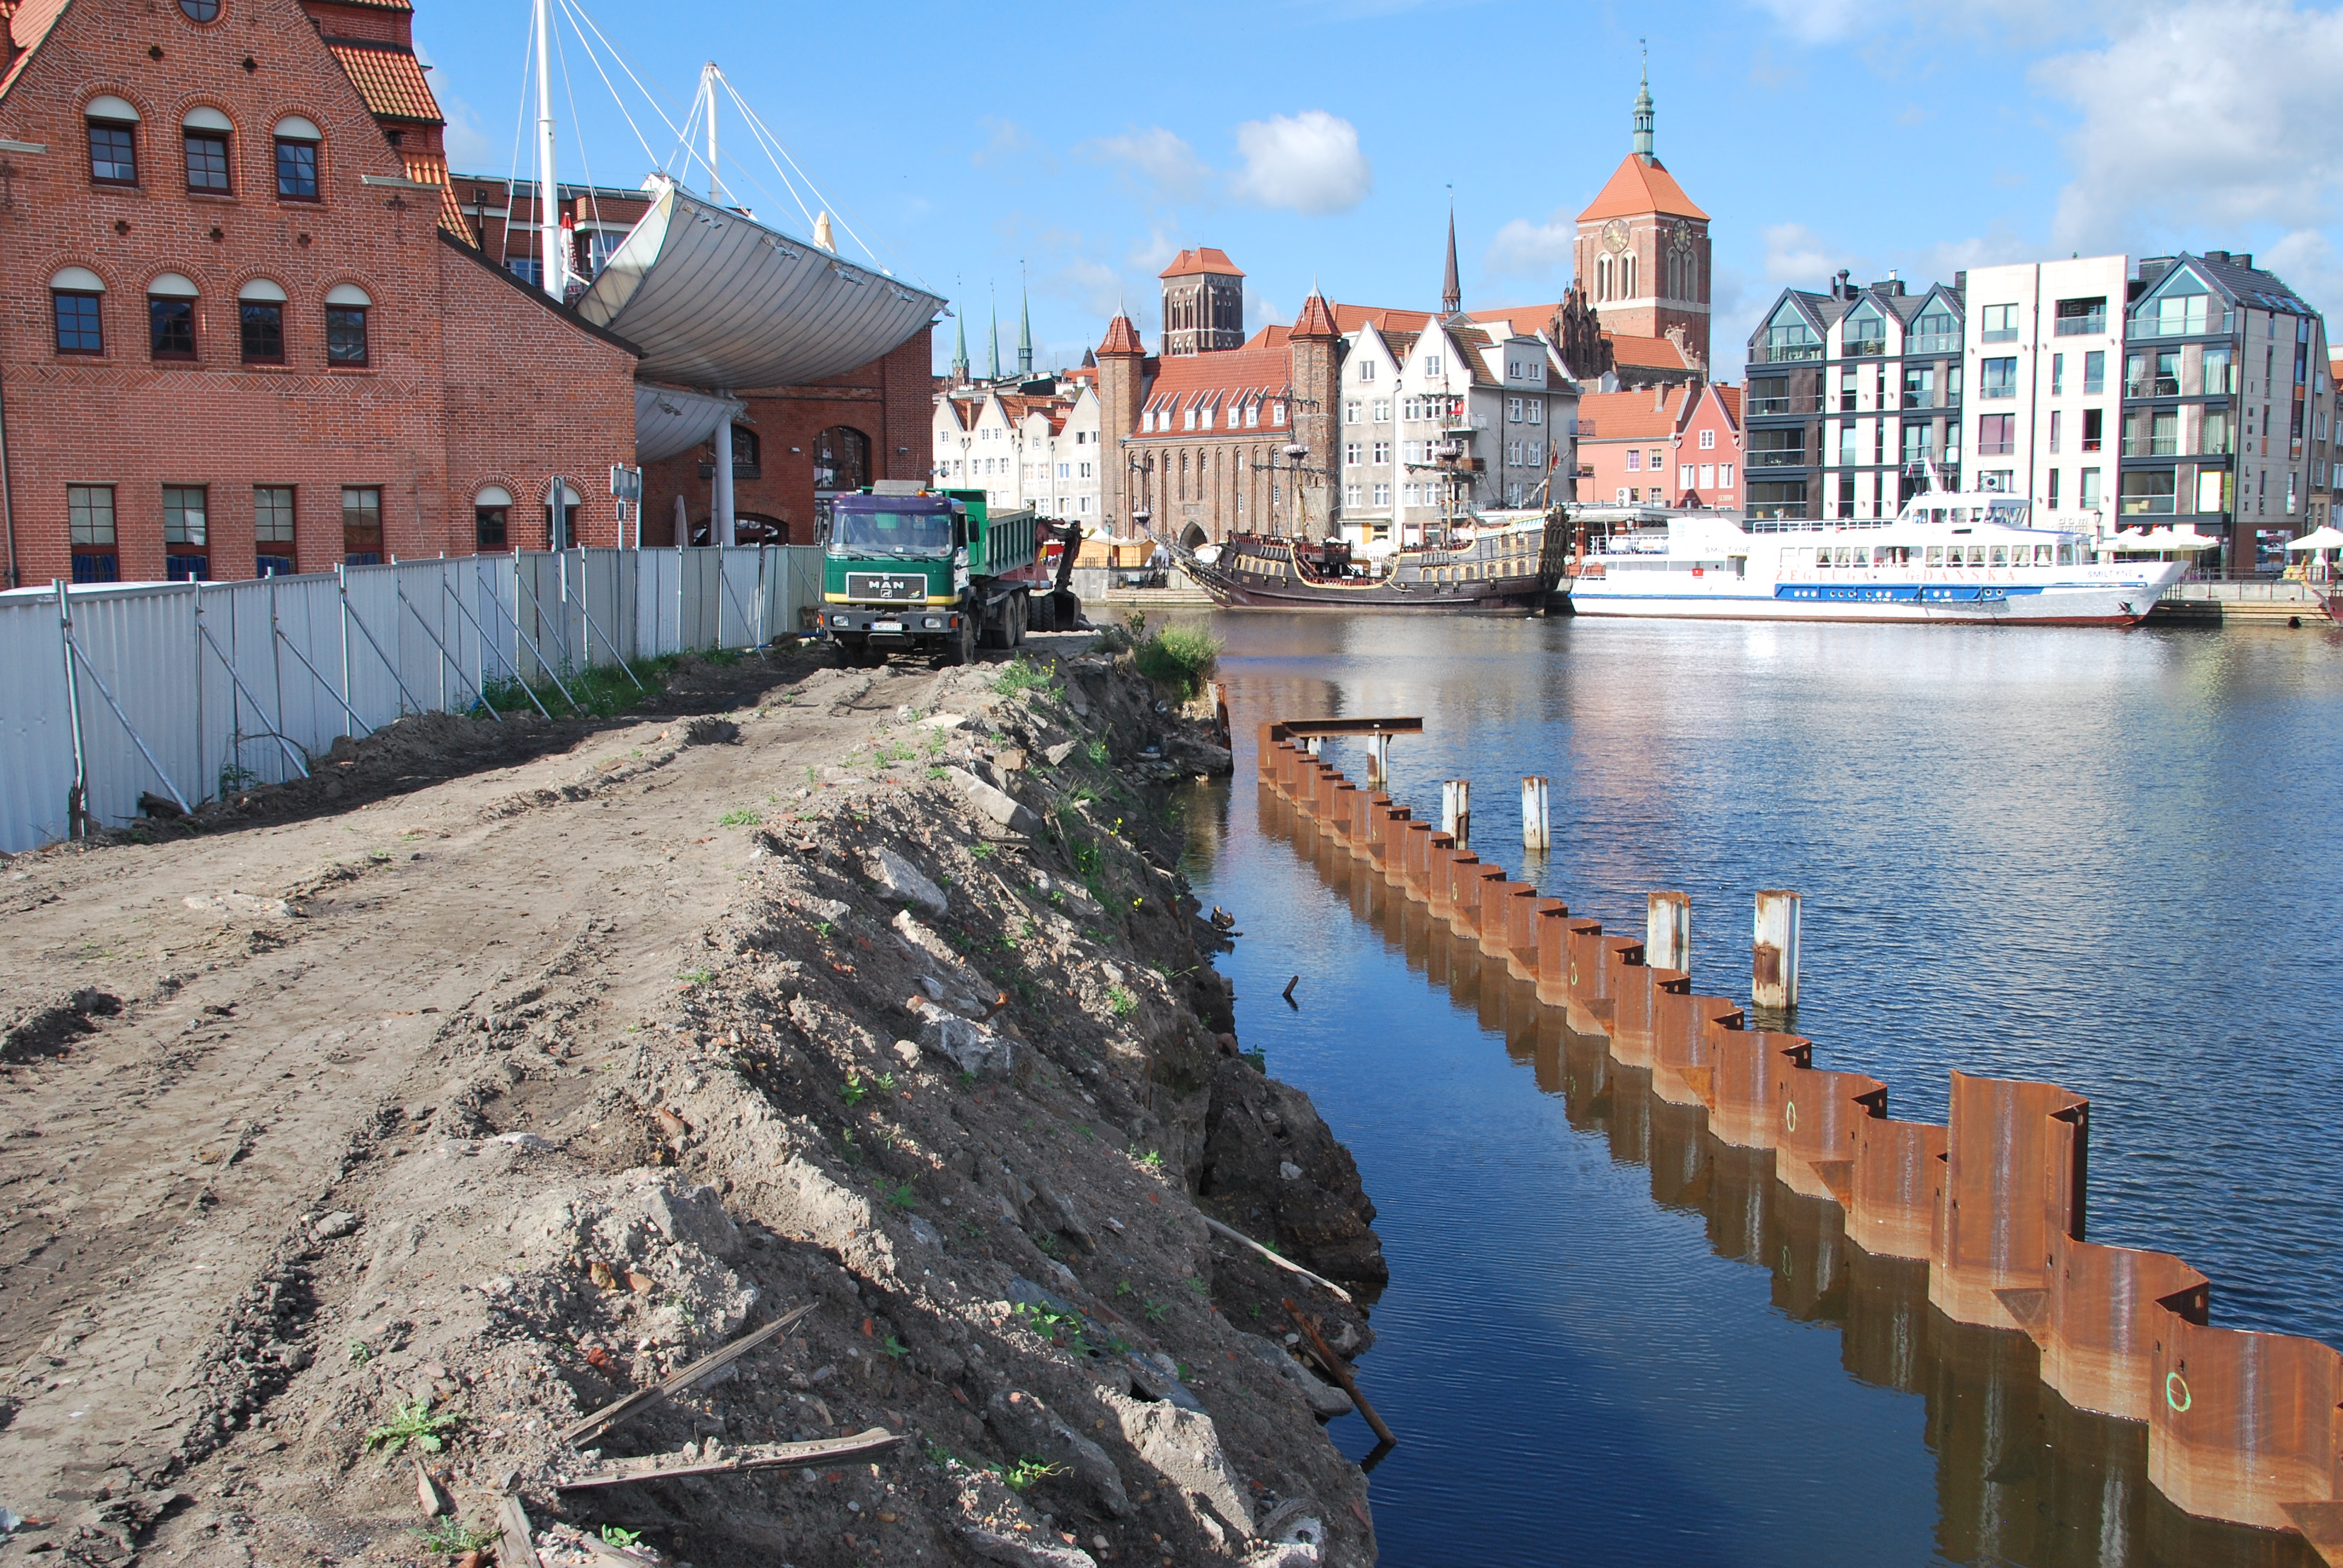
(670, 421)
(2326, 536)
(718, 300)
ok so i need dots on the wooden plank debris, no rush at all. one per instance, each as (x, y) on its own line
(1340, 1370)
(718, 1459)
(642, 1399)
(1288, 1264)
(516, 1544)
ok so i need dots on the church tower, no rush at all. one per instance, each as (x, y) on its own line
(1643, 253)
(1203, 302)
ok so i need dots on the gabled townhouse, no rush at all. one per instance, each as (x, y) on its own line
(1676, 446)
(1023, 449)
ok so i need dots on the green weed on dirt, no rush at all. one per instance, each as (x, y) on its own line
(1179, 656)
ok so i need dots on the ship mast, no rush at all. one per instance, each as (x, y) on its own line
(548, 217)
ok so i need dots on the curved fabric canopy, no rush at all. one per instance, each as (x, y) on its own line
(670, 421)
(715, 299)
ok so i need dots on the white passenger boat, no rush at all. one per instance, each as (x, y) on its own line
(1962, 557)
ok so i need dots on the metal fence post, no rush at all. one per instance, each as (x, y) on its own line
(341, 582)
(77, 797)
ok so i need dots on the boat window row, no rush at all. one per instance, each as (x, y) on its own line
(1944, 556)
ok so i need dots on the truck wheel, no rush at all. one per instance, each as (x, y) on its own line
(960, 647)
(1019, 612)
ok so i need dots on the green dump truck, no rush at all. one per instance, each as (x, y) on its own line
(905, 567)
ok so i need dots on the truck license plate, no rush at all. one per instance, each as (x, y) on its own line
(885, 626)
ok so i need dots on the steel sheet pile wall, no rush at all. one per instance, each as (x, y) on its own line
(2244, 1427)
(186, 692)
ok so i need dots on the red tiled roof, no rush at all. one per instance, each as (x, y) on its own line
(28, 26)
(1661, 352)
(1350, 318)
(1629, 416)
(390, 81)
(1316, 321)
(1641, 185)
(1122, 338)
(1731, 397)
(1203, 258)
(432, 169)
(1526, 320)
(1229, 379)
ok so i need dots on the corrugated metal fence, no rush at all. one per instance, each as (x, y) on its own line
(185, 691)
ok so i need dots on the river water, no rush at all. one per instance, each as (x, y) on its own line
(2107, 860)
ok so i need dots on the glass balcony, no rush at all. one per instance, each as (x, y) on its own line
(1760, 406)
(1864, 348)
(2083, 326)
(2151, 446)
(1784, 353)
(1998, 335)
(1932, 342)
(2147, 505)
(1995, 448)
(1787, 457)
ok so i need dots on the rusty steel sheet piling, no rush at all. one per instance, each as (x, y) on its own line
(2241, 1427)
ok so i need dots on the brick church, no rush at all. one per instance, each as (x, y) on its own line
(1641, 259)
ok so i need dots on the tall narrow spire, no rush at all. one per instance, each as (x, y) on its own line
(1451, 295)
(992, 310)
(959, 347)
(1643, 110)
(1024, 328)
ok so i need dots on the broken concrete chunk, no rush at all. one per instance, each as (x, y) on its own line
(943, 721)
(995, 804)
(1029, 1426)
(331, 1227)
(904, 883)
(1325, 1400)
(1184, 1446)
(1056, 755)
(967, 1045)
(1034, 1551)
(245, 904)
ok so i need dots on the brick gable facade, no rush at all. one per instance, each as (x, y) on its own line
(468, 380)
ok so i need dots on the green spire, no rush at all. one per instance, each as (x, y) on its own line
(1024, 331)
(1643, 110)
(993, 309)
(959, 347)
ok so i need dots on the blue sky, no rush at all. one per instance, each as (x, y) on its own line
(1321, 141)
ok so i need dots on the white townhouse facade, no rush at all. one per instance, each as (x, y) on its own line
(1022, 449)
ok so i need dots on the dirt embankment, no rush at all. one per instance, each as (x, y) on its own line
(522, 1070)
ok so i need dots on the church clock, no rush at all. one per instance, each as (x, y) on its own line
(1615, 235)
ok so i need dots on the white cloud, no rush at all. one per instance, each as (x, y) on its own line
(2205, 114)
(1157, 158)
(1262, 311)
(2308, 261)
(1094, 286)
(1526, 249)
(466, 143)
(1004, 140)
(1154, 254)
(1795, 256)
(1309, 162)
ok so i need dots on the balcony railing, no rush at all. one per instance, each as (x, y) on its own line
(1864, 348)
(2153, 386)
(1932, 342)
(1785, 353)
(2094, 386)
(2149, 325)
(2082, 325)
(2151, 446)
(1760, 406)
(1998, 335)
(1785, 457)
(1995, 448)
(1992, 392)
(2147, 505)
(2093, 443)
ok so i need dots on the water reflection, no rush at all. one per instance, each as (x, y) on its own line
(2020, 1477)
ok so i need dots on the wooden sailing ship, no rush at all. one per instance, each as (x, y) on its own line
(1498, 567)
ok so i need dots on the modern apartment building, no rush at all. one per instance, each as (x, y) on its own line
(2043, 364)
(2226, 384)
(1852, 398)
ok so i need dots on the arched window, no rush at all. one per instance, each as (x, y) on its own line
(297, 141)
(73, 295)
(566, 539)
(492, 519)
(205, 133)
(747, 454)
(1602, 280)
(1627, 278)
(260, 311)
(841, 459)
(113, 141)
(346, 325)
(171, 317)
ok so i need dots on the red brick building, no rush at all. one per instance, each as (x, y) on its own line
(234, 333)
(1662, 446)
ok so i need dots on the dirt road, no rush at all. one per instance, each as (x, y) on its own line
(264, 1083)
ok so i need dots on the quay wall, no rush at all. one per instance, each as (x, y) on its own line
(2242, 1426)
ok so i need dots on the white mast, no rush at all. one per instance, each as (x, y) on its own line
(707, 75)
(548, 215)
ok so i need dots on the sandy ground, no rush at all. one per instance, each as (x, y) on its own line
(502, 1070)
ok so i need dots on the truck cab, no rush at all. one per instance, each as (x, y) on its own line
(908, 567)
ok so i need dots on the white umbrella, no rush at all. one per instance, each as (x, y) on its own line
(2326, 537)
